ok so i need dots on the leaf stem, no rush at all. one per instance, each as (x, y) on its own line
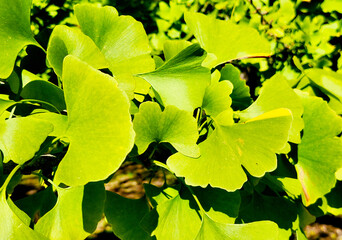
(9, 177)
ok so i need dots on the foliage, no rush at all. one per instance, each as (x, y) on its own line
(82, 92)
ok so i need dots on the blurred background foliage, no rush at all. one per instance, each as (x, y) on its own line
(304, 34)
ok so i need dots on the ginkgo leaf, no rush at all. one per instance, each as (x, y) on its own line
(15, 32)
(125, 215)
(225, 40)
(274, 94)
(4, 104)
(332, 5)
(256, 208)
(59, 122)
(182, 80)
(99, 130)
(173, 47)
(320, 153)
(339, 174)
(121, 39)
(44, 91)
(71, 41)
(20, 138)
(216, 98)
(177, 215)
(241, 97)
(219, 205)
(15, 223)
(255, 231)
(229, 147)
(72, 207)
(175, 126)
(328, 81)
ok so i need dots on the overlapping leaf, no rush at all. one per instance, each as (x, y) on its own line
(225, 40)
(15, 223)
(15, 32)
(71, 41)
(320, 153)
(100, 130)
(125, 215)
(241, 97)
(121, 39)
(255, 231)
(20, 138)
(72, 207)
(229, 147)
(182, 80)
(172, 125)
(216, 98)
(274, 94)
(328, 81)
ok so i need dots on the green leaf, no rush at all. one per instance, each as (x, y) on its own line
(334, 199)
(283, 211)
(177, 215)
(20, 138)
(99, 130)
(66, 220)
(219, 205)
(15, 223)
(320, 153)
(225, 40)
(15, 32)
(158, 195)
(240, 95)
(44, 91)
(4, 104)
(229, 147)
(172, 125)
(59, 122)
(125, 215)
(71, 41)
(182, 80)
(274, 94)
(216, 98)
(328, 81)
(255, 231)
(332, 5)
(39, 203)
(173, 47)
(121, 39)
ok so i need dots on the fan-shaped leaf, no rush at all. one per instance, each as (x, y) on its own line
(226, 40)
(229, 147)
(274, 94)
(70, 208)
(121, 39)
(182, 80)
(172, 125)
(71, 41)
(20, 138)
(100, 130)
(15, 32)
(320, 153)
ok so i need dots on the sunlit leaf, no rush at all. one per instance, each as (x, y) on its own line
(71, 41)
(20, 138)
(320, 153)
(121, 39)
(175, 126)
(70, 207)
(100, 130)
(332, 5)
(255, 231)
(225, 40)
(182, 80)
(15, 32)
(274, 94)
(229, 147)
(172, 48)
